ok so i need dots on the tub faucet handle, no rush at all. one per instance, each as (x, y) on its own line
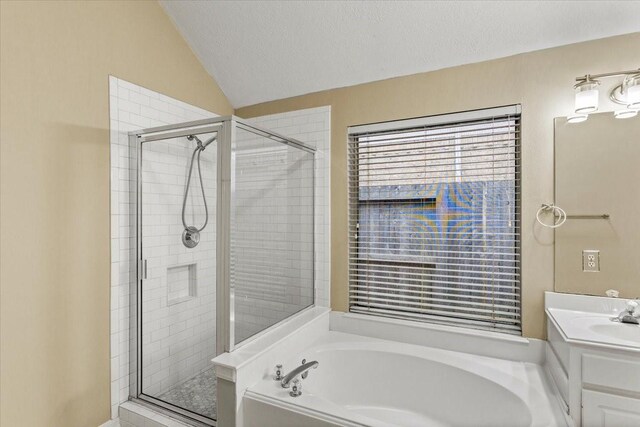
(279, 373)
(296, 388)
(628, 315)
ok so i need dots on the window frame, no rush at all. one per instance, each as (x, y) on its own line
(354, 203)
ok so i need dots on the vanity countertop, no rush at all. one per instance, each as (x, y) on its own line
(594, 328)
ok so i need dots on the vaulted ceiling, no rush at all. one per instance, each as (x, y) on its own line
(265, 50)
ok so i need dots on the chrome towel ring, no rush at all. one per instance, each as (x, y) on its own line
(559, 215)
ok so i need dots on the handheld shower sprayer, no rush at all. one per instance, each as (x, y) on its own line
(191, 234)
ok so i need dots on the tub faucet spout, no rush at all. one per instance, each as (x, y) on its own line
(300, 370)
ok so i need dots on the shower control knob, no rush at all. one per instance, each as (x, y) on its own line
(190, 237)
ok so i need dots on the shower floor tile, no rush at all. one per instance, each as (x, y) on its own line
(197, 394)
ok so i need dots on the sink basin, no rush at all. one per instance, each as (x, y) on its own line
(596, 328)
(622, 331)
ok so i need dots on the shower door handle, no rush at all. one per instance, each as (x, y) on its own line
(143, 269)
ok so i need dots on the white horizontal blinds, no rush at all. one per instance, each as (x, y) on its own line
(434, 219)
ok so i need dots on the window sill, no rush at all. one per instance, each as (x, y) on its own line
(459, 330)
(471, 341)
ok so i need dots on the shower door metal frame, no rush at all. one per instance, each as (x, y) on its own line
(224, 216)
(137, 139)
(225, 127)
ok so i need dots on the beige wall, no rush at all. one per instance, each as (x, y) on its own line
(541, 81)
(55, 62)
(55, 59)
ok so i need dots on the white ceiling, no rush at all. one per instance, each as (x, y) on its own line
(265, 50)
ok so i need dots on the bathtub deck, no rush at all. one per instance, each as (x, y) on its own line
(524, 379)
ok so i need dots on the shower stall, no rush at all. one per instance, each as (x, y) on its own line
(224, 231)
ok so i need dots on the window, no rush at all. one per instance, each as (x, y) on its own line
(434, 219)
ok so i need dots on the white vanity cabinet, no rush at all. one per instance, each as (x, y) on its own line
(600, 386)
(610, 389)
(598, 377)
(601, 409)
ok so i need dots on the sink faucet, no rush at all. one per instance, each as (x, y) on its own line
(628, 315)
(300, 370)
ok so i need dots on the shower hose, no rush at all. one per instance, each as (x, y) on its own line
(196, 152)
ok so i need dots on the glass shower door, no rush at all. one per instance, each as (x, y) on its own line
(177, 192)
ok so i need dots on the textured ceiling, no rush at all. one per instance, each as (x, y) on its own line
(265, 50)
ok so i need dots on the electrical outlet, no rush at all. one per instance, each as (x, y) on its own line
(590, 261)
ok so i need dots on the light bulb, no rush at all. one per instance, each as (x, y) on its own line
(633, 96)
(586, 96)
(625, 114)
(577, 118)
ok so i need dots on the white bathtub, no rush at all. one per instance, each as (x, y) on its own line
(373, 382)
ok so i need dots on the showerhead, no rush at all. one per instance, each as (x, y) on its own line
(201, 145)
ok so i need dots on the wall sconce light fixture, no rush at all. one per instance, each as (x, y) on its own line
(627, 93)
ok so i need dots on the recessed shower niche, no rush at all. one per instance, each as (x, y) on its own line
(182, 282)
(225, 249)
